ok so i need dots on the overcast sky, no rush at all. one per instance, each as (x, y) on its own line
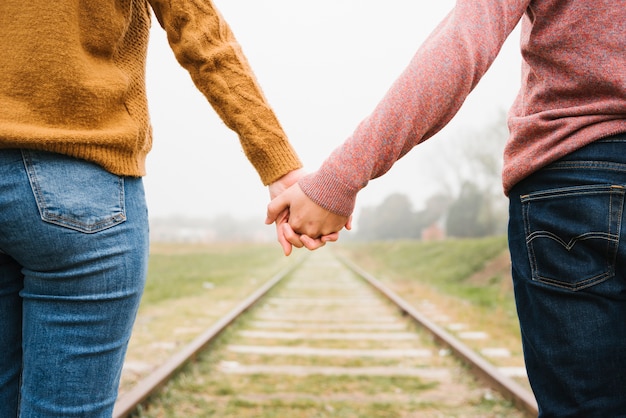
(323, 66)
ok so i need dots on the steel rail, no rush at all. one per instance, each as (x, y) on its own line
(484, 370)
(148, 386)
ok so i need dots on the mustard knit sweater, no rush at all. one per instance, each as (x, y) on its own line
(72, 80)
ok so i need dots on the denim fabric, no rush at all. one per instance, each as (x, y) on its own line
(73, 259)
(568, 250)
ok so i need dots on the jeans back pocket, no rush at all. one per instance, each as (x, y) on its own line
(74, 193)
(572, 234)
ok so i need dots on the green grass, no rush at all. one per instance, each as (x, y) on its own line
(176, 272)
(444, 265)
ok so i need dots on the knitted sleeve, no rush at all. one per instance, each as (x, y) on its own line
(420, 102)
(204, 44)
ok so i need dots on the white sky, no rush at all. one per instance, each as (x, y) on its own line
(323, 66)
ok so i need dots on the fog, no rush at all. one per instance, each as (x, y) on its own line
(323, 66)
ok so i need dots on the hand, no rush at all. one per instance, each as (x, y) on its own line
(275, 189)
(303, 222)
(286, 236)
(285, 182)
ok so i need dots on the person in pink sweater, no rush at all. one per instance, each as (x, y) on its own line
(564, 173)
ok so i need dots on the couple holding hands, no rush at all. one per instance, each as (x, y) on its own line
(75, 132)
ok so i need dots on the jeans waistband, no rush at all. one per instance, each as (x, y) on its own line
(607, 150)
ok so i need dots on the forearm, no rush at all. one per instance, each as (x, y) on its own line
(205, 45)
(420, 102)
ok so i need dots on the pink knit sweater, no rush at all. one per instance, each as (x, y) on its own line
(573, 90)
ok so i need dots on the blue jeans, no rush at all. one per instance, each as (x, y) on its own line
(569, 272)
(73, 259)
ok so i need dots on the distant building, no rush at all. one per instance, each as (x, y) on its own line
(435, 232)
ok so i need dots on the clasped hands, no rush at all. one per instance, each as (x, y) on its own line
(300, 222)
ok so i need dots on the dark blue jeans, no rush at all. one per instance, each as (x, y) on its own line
(567, 237)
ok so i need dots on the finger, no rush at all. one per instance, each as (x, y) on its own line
(282, 218)
(286, 245)
(275, 208)
(349, 223)
(330, 237)
(311, 243)
(291, 236)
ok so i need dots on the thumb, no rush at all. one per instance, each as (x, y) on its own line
(275, 208)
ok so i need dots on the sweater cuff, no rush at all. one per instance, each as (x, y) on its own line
(330, 193)
(275, 163)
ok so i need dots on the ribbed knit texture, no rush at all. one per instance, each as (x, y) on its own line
(573, 91)
(72, 80)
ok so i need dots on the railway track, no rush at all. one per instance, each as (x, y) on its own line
(326, 336)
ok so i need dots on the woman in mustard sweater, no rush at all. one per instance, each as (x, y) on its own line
(564, 172)
(74, 134)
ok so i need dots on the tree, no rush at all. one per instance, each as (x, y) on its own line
(392, 219)
(481, 207)
(469, 215)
